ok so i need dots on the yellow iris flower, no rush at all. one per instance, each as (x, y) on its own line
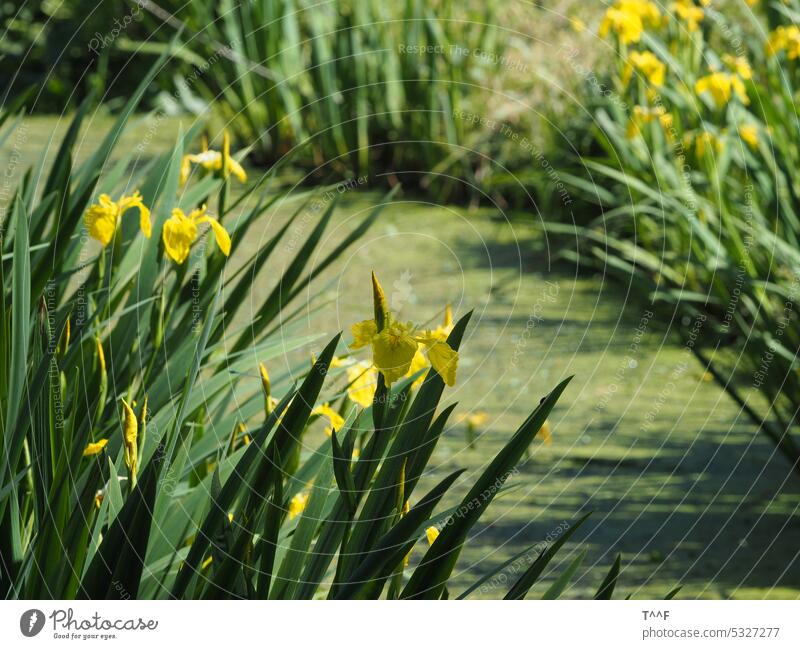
(180, 232)
(784, 38)
(749, 135)
(739, 65)
(335, 420)
(721, 86)
(102, 218)
(705, 143)
(362, 377)
(297, 504)
(476, 419)
(649, 65)
(645, 115)
(395, 344)
(627, 19)
(689, 13)
(212, 160)
(93, 448)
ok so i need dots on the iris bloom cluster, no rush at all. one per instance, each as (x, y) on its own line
(721, 87)
(785, 38)
(627, 19)
(181, 230)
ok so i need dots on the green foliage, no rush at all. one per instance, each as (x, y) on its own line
(349, 87)
(69, 49)
(697, 202)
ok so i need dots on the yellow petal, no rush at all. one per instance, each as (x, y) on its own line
(546, 433)
(297, 504)
(443, 331)
(431, 534)
(444, 360)
(417, 363)
(220, 234)
(393, 350)
(101, 219)
(749, 134)
(363, 333)
(178, 235)
(237, 170)
(93, 448)
(135, 200)
(209, 159)
(362, 380)
(335, 419)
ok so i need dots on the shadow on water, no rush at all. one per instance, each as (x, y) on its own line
(716, 514)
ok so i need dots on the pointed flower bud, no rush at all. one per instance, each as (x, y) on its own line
(130, 433)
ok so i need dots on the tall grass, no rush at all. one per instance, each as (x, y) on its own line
(362, 87)
(695, 180)
(143, 453)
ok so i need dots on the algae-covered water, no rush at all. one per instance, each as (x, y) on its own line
(677, 479)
